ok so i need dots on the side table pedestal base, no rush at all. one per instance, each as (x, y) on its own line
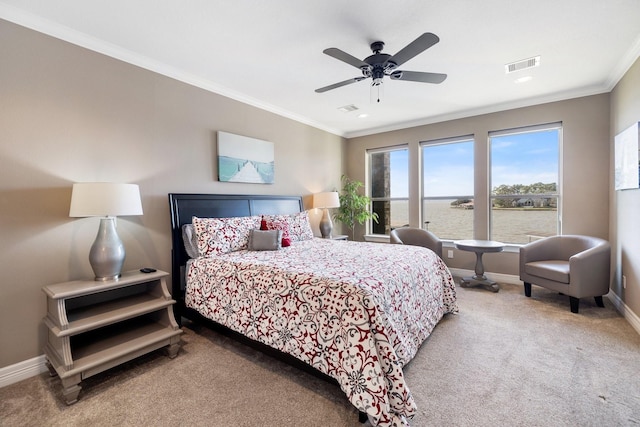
(482, 281)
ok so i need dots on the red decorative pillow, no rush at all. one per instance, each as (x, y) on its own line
(275, 224)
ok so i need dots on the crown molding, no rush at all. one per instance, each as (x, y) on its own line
(61, 32)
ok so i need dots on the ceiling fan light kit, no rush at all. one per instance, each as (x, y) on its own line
(380, 64)
(376, 92)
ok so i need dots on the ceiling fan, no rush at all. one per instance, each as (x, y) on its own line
(381, 64)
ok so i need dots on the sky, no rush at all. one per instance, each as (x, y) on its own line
(523, 158)
(242, 147)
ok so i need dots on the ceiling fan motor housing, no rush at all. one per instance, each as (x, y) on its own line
(378, 64)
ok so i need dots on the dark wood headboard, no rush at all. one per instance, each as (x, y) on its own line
(185, 206)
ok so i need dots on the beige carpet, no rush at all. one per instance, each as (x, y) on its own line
(505, 360)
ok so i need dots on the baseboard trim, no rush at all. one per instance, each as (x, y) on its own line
(626, 312)
(22, 370)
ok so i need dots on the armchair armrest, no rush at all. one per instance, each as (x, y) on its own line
(590, 271)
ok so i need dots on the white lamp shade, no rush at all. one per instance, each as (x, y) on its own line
(105, 199)
(329, 199)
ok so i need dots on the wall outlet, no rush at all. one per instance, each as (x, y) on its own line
(450, 253)
(624, 282)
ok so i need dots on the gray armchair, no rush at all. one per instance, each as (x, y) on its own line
(577, 266)
(416, 237)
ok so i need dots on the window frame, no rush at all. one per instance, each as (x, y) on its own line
(558, 195)
(424, 198)
(369, 182)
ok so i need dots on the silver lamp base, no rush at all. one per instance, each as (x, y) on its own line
(326, 225)
(107, 252)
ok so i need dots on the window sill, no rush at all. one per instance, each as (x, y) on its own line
(376, 238)
(383, 238)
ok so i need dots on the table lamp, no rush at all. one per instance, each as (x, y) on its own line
(108, 200)
(326, 201)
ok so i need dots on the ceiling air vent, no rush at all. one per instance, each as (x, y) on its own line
(522, 65)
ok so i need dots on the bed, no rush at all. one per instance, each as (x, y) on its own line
(353, 311)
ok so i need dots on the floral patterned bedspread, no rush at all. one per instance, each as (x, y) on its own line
(355, 311)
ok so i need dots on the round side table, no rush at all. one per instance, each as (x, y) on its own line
(480, 247)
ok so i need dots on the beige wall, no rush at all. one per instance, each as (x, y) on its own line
(70, 115)
(585, 166)
(625, 205)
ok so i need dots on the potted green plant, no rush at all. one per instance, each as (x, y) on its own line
(354, 208)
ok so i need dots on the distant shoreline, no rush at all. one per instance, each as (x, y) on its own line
(512, 224)
(525, 209)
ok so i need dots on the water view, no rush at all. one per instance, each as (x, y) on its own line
(519, 225)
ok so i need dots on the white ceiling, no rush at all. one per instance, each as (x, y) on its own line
(269, 53)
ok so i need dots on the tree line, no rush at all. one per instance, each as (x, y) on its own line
(525, 190)
(520, 190)
(536, 188)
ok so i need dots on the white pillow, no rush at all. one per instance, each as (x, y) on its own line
(222, 235)
(298, 225)
(190, 240)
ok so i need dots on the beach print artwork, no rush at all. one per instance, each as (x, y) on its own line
(244, 159)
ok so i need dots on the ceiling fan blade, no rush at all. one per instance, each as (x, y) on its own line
(417, 46)
(345, 57)
(340, 84)
(418, 76)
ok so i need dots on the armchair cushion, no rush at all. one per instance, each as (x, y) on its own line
(555, 270)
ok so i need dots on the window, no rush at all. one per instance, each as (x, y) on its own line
(389, 188)
(447, 187)
(525, 183)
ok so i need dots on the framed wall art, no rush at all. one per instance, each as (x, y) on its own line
(627, 160)
(244, 159)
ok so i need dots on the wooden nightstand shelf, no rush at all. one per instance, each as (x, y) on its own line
(93, 326)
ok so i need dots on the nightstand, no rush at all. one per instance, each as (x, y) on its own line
(340, 237)
(93, 326)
